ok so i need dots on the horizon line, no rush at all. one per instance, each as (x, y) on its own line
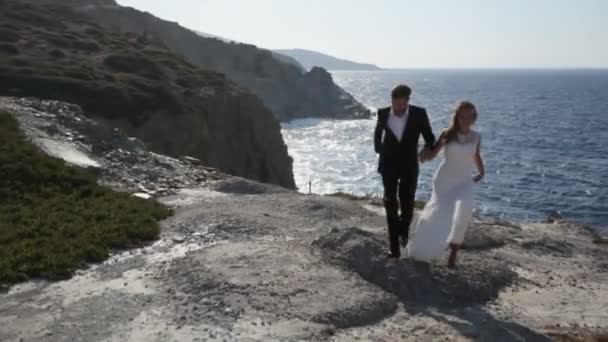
(483, 68)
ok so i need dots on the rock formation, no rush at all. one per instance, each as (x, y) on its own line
(173, 106)
(286, 89)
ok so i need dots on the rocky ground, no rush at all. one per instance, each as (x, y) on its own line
(243, 261)
(124, 163)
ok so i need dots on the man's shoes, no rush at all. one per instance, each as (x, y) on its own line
(391, 255)
(404, 239)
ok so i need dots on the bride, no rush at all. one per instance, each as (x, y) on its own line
(446, 216)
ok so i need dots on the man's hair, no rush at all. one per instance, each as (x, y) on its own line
(401, 91)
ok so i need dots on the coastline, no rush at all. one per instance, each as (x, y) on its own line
(600, 234)
(320, 157)
(241, 260)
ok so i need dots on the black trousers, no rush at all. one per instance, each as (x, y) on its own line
(399, 193)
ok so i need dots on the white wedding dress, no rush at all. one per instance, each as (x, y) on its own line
(446, 216)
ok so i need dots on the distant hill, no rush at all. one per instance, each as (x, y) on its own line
(309, 59)
(283, 58)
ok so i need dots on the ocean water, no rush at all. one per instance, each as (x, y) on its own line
(544, 139)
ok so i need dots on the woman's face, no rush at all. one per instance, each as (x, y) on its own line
(466, 118)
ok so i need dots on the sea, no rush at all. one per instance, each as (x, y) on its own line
(544, 139)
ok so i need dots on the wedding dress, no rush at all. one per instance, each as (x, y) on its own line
(446, 216)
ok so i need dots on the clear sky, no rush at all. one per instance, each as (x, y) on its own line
(410, 33)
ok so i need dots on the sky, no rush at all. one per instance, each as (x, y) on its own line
(410, 33)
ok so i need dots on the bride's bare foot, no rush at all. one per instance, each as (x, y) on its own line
(453, 254)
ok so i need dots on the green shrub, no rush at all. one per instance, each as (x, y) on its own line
(59, 41)
(8, 35)
(56, 53)
(135, 64)
(101, 71)
(94, 32)
(78, 74)
(19, 62)
(55, 218)
(8, 49)
(30, 13)
(85, 45)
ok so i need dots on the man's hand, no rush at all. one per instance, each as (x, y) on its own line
(425, 155)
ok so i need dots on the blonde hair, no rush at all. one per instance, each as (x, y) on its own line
(451, 133)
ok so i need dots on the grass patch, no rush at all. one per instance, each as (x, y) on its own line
(8, 49)
(349, 196)
(8, 36)
(55, 218)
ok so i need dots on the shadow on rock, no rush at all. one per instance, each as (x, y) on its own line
(479, 325)
(420, 287)
(478, 280)
(550, 246)
(245, 187)
(484, 237)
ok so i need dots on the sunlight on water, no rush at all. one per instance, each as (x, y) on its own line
(544, 137)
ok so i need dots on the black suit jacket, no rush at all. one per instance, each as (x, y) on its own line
(401, 157)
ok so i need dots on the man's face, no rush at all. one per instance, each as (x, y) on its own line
(400, 105)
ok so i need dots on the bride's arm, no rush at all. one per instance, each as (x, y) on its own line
(479, 162)
(439, 145)
(430, 153)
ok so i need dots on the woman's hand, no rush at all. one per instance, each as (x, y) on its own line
(479, 162)
(425, 155)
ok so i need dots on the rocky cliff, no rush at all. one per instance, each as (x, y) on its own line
(285, 88)
(175, 107)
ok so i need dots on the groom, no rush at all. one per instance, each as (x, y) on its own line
(396, 141)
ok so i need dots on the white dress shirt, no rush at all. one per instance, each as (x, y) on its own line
(397, 124)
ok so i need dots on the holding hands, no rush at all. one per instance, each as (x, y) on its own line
(428, 153)
(425, 155)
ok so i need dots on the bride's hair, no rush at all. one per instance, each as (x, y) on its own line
(451, 133)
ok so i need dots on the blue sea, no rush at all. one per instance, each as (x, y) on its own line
(544, 139)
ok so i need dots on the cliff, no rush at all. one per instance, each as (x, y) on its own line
(286, 89)
(151, 93)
